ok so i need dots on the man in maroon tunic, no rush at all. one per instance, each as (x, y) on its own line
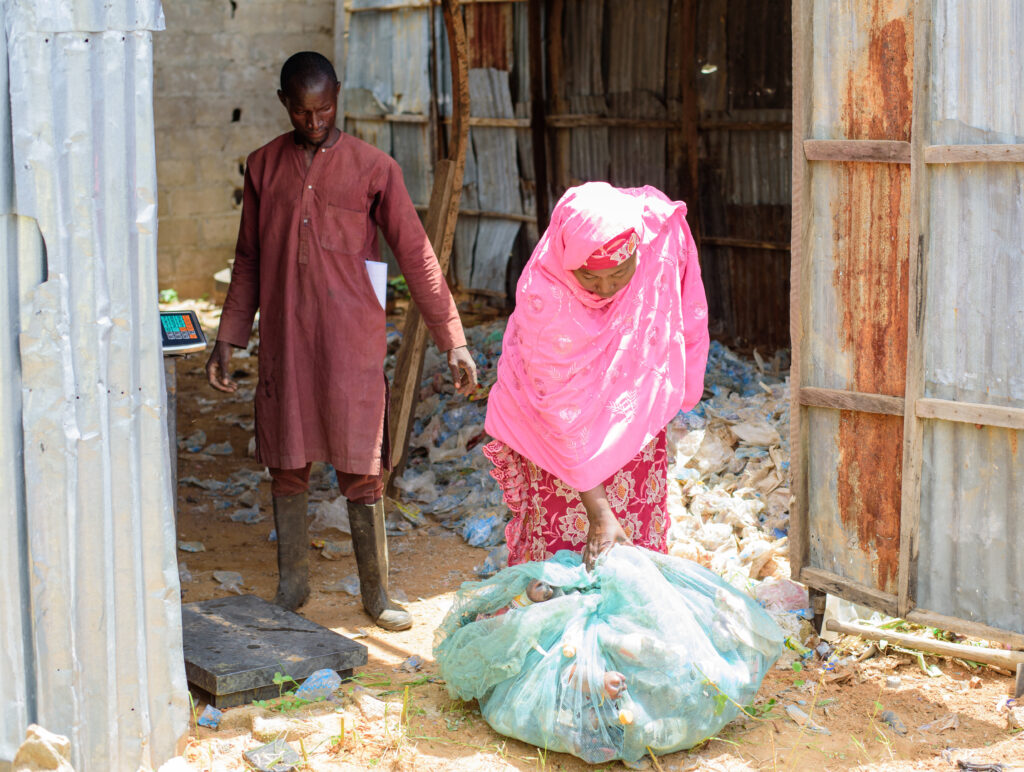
(313, 201)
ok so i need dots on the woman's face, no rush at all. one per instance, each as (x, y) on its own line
(608, 281)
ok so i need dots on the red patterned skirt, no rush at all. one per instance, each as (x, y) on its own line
(549, 516)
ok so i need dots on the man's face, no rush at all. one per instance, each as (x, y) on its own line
(312, 110)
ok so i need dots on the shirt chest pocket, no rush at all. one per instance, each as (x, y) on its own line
(343, 230)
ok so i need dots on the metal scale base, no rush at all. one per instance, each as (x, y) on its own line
(234, 646)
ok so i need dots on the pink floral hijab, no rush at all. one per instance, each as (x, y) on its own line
(584, 382)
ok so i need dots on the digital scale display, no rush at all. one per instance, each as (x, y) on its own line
(181, 332)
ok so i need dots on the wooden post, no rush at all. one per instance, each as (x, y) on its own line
(690, 116)
(440, 227)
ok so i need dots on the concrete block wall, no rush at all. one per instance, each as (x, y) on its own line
(216, 69)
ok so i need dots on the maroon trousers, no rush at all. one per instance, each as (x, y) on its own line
(357, 488)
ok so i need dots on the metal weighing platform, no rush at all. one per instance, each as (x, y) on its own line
(234, 646)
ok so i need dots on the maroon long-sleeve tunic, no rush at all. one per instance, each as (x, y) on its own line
(302, 243)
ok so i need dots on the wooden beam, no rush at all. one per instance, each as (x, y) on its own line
(838, 399)
(727, 241)
(970, 413)
(514, 216)
(965, 627)
(416, 5)
(388, 117)
(555, 70)
(576, 120)
(871, 150)
(997, 657)
(826, 581)
(803, 39)
(972, 154)
(713, 124)
(440, 228)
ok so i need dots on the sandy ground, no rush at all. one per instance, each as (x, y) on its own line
(405, 720)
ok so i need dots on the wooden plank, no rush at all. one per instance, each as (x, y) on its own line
(577, 120)
(860, 402)
(997, 657)
(826, 581)
(726, 241)
(440, 227)
(725, 125)
(972, 154)
(913, 433)
(388, 117)
(486, 213)
(798, 290)
(970, 413)
(965, 627)
(555, 70)
(871, 150)
(412, 6)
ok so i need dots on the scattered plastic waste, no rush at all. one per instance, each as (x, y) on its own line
(398, 595)
(646, 653)
(411, 664)
(277, 756)
(804, 720)
(184, 575)
(349, 584)
(219, 449)
(320, 685)
(496, 560)
(331, 514)
(191, 546)
(892, 720)
(272, 536)
(479, 530)
(247, 516)
(782, 595)
(210, 717)
(194, 442)
(949, 721)
(336, 550)
(229, 580)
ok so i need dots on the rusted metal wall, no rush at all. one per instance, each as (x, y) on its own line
(908, 322)
(855, 335)
(970, 564)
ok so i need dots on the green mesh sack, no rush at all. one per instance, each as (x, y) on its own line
(647, 652)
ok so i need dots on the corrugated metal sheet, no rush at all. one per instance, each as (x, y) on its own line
(973, 477)
(94, 622)
(491, 181)
(856, 322)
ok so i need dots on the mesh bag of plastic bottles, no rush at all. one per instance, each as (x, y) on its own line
(645, 653)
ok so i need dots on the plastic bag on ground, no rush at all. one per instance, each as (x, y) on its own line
(647, 651)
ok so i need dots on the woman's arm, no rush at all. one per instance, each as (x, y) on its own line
(605, 530)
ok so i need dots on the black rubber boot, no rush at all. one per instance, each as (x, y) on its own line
(292, 551)
(369, 541)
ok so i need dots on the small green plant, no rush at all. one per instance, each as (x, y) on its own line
(168, 295)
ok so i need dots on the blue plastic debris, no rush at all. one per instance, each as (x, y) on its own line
(319, 685)
(194, 442)
(247, 516)
(210, 717)
(191, 546)
(219, 449)
(477, 530)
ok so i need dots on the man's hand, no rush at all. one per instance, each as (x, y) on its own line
(463, 368)
(605, 531)
(217, 367)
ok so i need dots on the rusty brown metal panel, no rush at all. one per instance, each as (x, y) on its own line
(489, 32)
(856, 325)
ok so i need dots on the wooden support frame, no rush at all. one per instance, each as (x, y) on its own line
(871, 150)
(839, 399)
(970, 413)
(972, 154)
(440, 228)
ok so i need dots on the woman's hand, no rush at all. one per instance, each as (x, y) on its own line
(605, 530)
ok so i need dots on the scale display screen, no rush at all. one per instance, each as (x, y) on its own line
(181, 332)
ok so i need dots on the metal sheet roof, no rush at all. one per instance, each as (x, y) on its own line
(81, 389)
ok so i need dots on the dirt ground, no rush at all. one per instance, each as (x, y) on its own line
(405, 720)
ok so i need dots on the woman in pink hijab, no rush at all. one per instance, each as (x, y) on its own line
(608, 341)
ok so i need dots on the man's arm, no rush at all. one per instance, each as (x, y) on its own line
(397, 218)
(243, 294)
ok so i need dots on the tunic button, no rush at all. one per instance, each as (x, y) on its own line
(310, 187)
(305, 221)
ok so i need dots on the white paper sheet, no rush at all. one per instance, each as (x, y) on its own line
(378, 273)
